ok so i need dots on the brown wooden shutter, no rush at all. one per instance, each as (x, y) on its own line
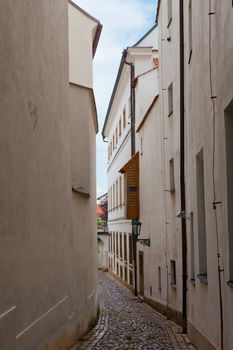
(131, 188)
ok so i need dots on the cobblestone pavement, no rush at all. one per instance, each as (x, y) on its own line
(127, 323)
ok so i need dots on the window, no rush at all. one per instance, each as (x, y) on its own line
(190, 30)
(110, 198)
(124, 118)
(172, 175)
(121, 272)
(131, 278)
(130, 250)
(117, 245)
(229, 168)
(129, 109)
(121, 254)
(170, 99)
(114, 243)
(120, 127)
(169, 12)
(192, 250)
(114, 197)
(159, 279)
(201, 217)
(116, 135)
(116, 193)
(120, 185)
(110, 148)
(141, 152)
(173, 272)
(125, 268)
(113, 143)
(125, 248)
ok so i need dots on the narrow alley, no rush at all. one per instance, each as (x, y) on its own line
(125, 322)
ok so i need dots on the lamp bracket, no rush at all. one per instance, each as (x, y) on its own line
(144, 241)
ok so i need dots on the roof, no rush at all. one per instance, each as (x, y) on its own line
(102, 196)
(120, 69)
(157, 12)
(92, 95)
(99, 26)
(127, 165)
(147, 113)
(145, 35)
(114, 90)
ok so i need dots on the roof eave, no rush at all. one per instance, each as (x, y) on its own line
(113, 93)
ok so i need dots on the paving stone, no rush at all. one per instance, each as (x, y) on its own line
(126, 323)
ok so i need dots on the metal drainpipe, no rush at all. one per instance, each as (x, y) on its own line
(132, 112)
(132, 102)
(182, 171)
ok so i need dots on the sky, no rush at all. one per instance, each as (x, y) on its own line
(124, 23)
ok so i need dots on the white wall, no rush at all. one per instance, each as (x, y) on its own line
(203, 313)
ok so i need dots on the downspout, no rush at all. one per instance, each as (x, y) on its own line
(132, 112)
(132, 101)
(182, 172)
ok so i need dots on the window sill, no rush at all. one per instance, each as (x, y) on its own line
(169, 22)
(80, 192)
(170, 113)
(173, 285)
(190, 56)
(203, 278)
(230, 283)
(193, 282)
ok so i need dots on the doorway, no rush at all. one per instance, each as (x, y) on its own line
(141, 274)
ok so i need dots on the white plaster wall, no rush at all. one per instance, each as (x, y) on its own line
(152, 205)
(160, 135)
(146, 88)
(150, 41)
(121, 154)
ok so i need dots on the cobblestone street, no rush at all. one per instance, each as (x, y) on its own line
(127, 323)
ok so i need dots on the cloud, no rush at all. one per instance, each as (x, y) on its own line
(124, 23)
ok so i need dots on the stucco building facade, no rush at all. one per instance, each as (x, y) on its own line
(48, 284)
(209, 86)
(196, 288)
(135, 82)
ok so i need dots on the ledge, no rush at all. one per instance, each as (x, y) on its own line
(170, 113)
(230, 283)
(193, 282)
(173, 285)
(169, 23)
(81, 193)
(203, 278)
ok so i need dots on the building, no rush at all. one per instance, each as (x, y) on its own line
(102, 231)
(131, 98)
(209, 158)
(160, 265)
(48, 285)
(174, 154)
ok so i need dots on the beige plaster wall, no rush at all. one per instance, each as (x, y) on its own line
(203, 314)
(48, 284)
(80, 56)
